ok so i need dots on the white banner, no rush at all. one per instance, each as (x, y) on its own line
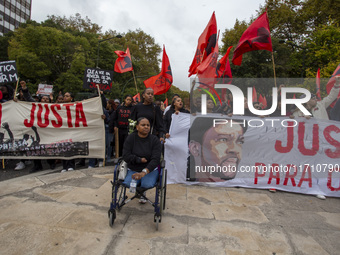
(44, 89)
(43, 131)
(296, 155)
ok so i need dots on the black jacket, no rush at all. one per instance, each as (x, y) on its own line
(135, 148)
(153, 113)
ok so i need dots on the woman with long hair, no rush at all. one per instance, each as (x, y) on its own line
(175, 108)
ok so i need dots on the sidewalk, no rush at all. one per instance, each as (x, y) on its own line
(66, 213)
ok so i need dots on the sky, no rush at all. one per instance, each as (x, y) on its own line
(177, 24)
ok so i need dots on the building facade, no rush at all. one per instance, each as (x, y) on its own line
(12, 13)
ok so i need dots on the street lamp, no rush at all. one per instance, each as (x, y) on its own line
(100, 41)
(303, 53)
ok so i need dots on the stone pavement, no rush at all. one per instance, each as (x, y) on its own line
(66, 213)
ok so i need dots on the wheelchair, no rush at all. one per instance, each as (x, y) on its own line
(120, 198)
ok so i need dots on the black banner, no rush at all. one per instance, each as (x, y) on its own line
(95, 76)
(8, 72)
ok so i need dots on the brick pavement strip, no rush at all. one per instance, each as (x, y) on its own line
(66, 213)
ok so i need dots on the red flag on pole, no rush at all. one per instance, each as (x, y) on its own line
(207, 69)
(331, 81)
(166, 103)
(161, 83)
(136, 98)
(206, 44)
(123, 63)
(254, 95)
(223, 68)
(318, 94)
(206, 72)
(256, 37)
(263, 101)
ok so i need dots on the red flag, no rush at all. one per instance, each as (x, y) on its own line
(206, 72)
(223, 67)
(207, 69)
(206, 44)
(263, 101)
(254, 95)
(161, 83)
(166, 103)
(223, 71)
(123, 63)
(318, 94)
(256, 37)
(331, 81)
(136, 98)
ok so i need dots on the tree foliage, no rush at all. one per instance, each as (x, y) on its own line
(57, 51)
(305, 37)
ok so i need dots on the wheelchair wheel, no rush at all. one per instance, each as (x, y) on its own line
(112, 217)
(120, 196)
(163, 192)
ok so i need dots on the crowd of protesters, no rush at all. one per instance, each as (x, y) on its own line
(116, 119)
(117, 115)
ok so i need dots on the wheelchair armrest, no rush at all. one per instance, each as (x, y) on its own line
(162, 163)
(117, 160)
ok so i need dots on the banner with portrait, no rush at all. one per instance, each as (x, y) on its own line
(46, 131)
(296, 155)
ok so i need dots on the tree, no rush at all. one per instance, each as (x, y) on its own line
(46, 54)
(58, 50)
(294, 26)
(73, 23)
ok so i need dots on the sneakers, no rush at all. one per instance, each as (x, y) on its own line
(20, 166)
(319, 196)
(90, 167)
(272, 190)
(64, 170)
(142, 200)
(100, 164)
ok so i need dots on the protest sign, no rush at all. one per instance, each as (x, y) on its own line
(43, 131)
(295, 155)
(44, 89)
(95, 76)
(8, 72)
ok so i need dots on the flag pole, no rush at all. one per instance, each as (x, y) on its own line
(134, 78)
(16, 89)
(274, 68)
(99, 94)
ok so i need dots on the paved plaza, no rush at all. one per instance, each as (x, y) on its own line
(66, 213)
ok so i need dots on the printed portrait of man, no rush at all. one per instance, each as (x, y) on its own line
(215, 147)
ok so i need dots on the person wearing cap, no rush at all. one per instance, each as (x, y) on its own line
(318, 108)
(117, 102)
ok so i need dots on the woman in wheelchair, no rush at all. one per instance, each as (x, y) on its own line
(142, 153)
